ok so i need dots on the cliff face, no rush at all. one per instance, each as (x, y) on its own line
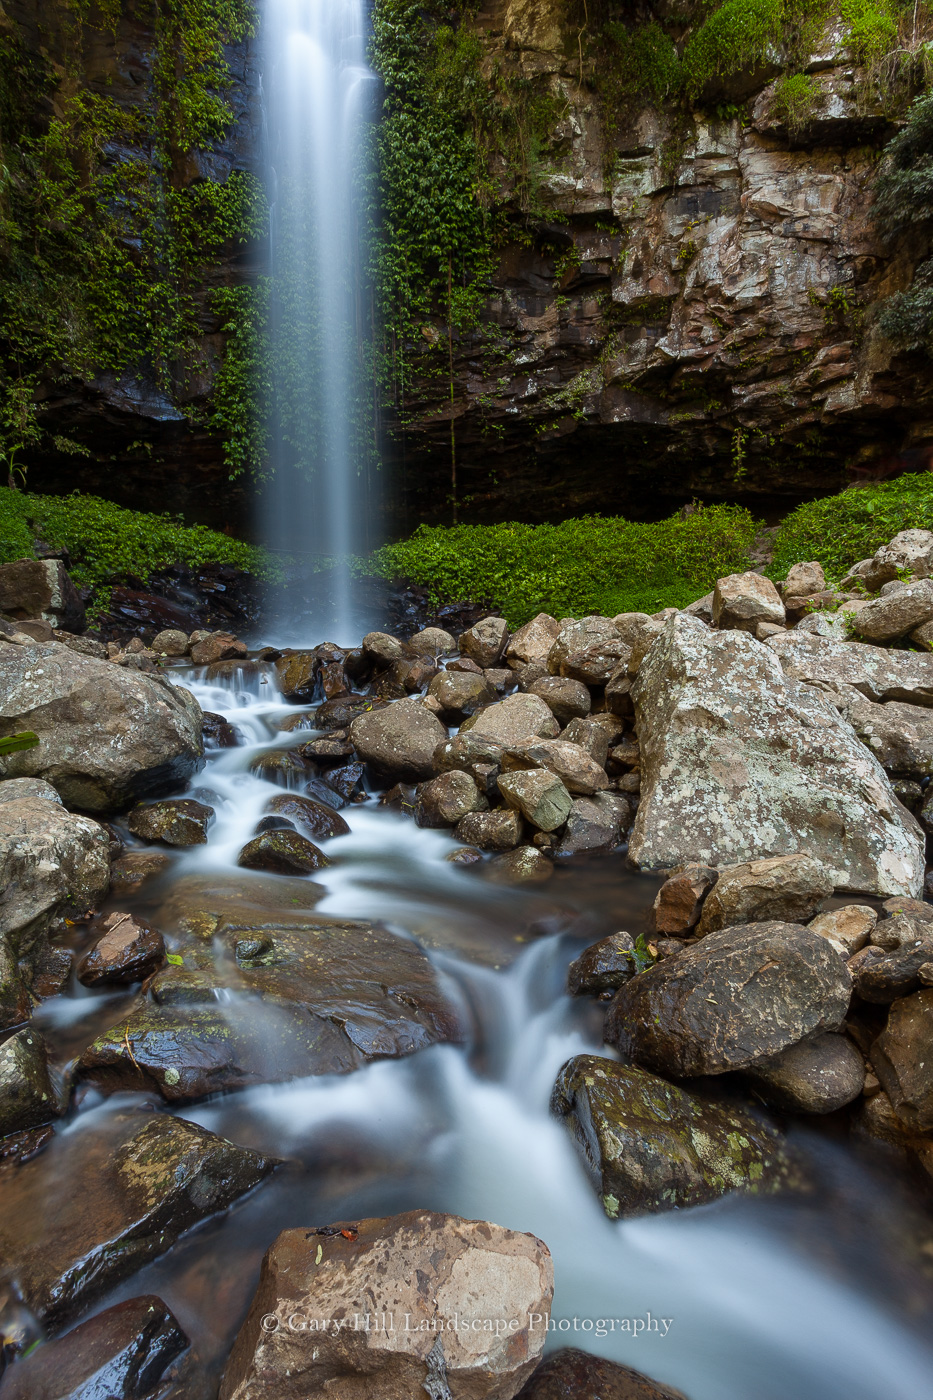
(693, 313)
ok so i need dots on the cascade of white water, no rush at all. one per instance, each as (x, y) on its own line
(316, 95)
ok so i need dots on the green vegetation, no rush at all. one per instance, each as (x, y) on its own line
(591, 564)
(841, 530)
(904, 202)
(16, 743)
(107, 543)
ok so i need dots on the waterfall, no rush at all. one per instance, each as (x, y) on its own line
(317, 506)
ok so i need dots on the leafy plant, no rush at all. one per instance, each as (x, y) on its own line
(16, 743)
(840, 530)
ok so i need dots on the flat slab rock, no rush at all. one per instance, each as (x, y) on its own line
(740, 762)
(878, 673)
(139, 1181)
(650, 1146)
(570, 1374)
(311, 998)
(438, 1286)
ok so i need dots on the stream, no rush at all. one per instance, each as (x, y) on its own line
(817, 1297)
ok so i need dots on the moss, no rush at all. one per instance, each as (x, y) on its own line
(793, 99)
(840, 530)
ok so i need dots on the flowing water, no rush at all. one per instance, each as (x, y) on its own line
(821, 1297)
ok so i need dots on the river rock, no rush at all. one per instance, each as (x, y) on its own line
(526, 865)
(144, 1179)
(816, 1076)
(603, 967)
(122, 1353)
(475, 754)
(590, 735)
(314, 819)
(650, 1146)
(902, 1058)
(447, 798)
(540, 796)
(910, 551)
(171, 642)
(791, 888)
(176, 822)
(567, 699)
(399, 742)
(886, 619)
(432, 641)
(677, 905)
(534, 640)
(126, 949)
(848, 929)
(486, 642)
(879, 674)
(577, 636)
(738, 996)
(381, 648)
(515, 718)
(491, 831)
(772, 770)
(595, 824)
(883, 974)
(440, 1273)
(327, 751)
(27, 1096)
(743, 600)
(309, 998)
(569, 1374)
(296, 673)
(900, 736)
(285, 852)
(218, 732)
(593, 665)
(41, 588)
(460, 694)
(278, 766)
(803, 580)
(579, 773)
(134, 868)
(107, 735)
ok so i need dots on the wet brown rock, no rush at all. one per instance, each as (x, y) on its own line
(650, 1146)
(296, 673)
(579, 773)
(218, 732)
(219, 646)
(127, 949)
(122, 1352)
(383, 649)
(432, 641)
(447, 798)
(460, 694)
(429, 1268)
(27, 1096)
(539, 795)
(573, 1375)
(464, 855)
(420, 675)
(680, 899)
(345, 783)
(510, 720)
(326, 752)
(176, 822)
(913, 908)
(740, 995)
(902, 1058)
(318, 997)
(524, 866)
(792, 888)
(398, 742)
(285, 852)
(145, 1179)
(743, 600)
(816, 1076)
(534, 640)
(315, 819)
(278, 765)
(603, 967)
(471, 753)
(883, 974)
(567, 699)
(491, 831)
(486, 642)
(134, 868)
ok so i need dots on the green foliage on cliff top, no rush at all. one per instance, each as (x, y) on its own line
(107, 542)
(592, 564)
(841, 530)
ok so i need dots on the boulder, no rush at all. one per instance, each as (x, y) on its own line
(772, 769)
(791, 888)
(27, 1096)
(447, 798)
(590, 735)
(738, 996)
(296, 673)
(567, 699)
(596, 823)
(310, 998)
(629, 625)
(882, 974)
(125, 949)
(803, 580)
(886, 619)
(569, 1374)
(314, 819)
(399, 742)
(677, 905)
(580, 773)
(816, 1076)
(171, 642)
(486, 642)
(382, 649)
(515, 718)
(603, 967)
(326, 752)
(540, 796)
(218, 646)
(902, 1058)
(41, 588)
(879, 674)
(122, 1352)
(473, 754)
(285, 852)
(910, 551)
(741, 601)
(432, 641)
(460, 694)
(900, 736)
(526, 865)
(176, 822)
(650, 1146)
(107, 735)
(642, 642)
(533, 641)
(490, 831)
(144, 1179)
(578, 636)
(217, 732)
(593, 665)
(468, 1303)
(847, 929)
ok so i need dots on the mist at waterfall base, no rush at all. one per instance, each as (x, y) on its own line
(316, 506)
(807, 1297)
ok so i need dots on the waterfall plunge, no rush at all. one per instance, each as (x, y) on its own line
(317, 507)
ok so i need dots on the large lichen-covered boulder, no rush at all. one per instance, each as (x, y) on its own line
(740, 762)
(445, 1282)
(879, 673)
(107, 735)
(650, 1146)
(739, 996)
